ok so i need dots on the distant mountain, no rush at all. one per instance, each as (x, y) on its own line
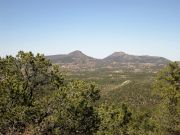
(121, 57)
(73, 60)
(73, 57)
(78, 60)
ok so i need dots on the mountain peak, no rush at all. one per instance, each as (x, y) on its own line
(76, 53)
(120, 53)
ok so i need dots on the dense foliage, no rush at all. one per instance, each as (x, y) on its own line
(167, 87)
(36, 98)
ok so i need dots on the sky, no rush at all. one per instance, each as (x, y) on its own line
(96, 27)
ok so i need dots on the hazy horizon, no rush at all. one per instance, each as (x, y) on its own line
(96, 27)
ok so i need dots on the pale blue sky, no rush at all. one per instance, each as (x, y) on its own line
(96, 27)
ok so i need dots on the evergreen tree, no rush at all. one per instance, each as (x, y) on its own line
(167, 87)
(36, 99)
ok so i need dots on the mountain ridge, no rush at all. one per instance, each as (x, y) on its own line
(114, 53)
(79, 60)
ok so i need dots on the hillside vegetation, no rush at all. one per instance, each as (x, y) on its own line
(38, 98)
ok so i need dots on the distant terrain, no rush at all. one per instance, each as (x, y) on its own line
(120, 76)
(79, 61)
